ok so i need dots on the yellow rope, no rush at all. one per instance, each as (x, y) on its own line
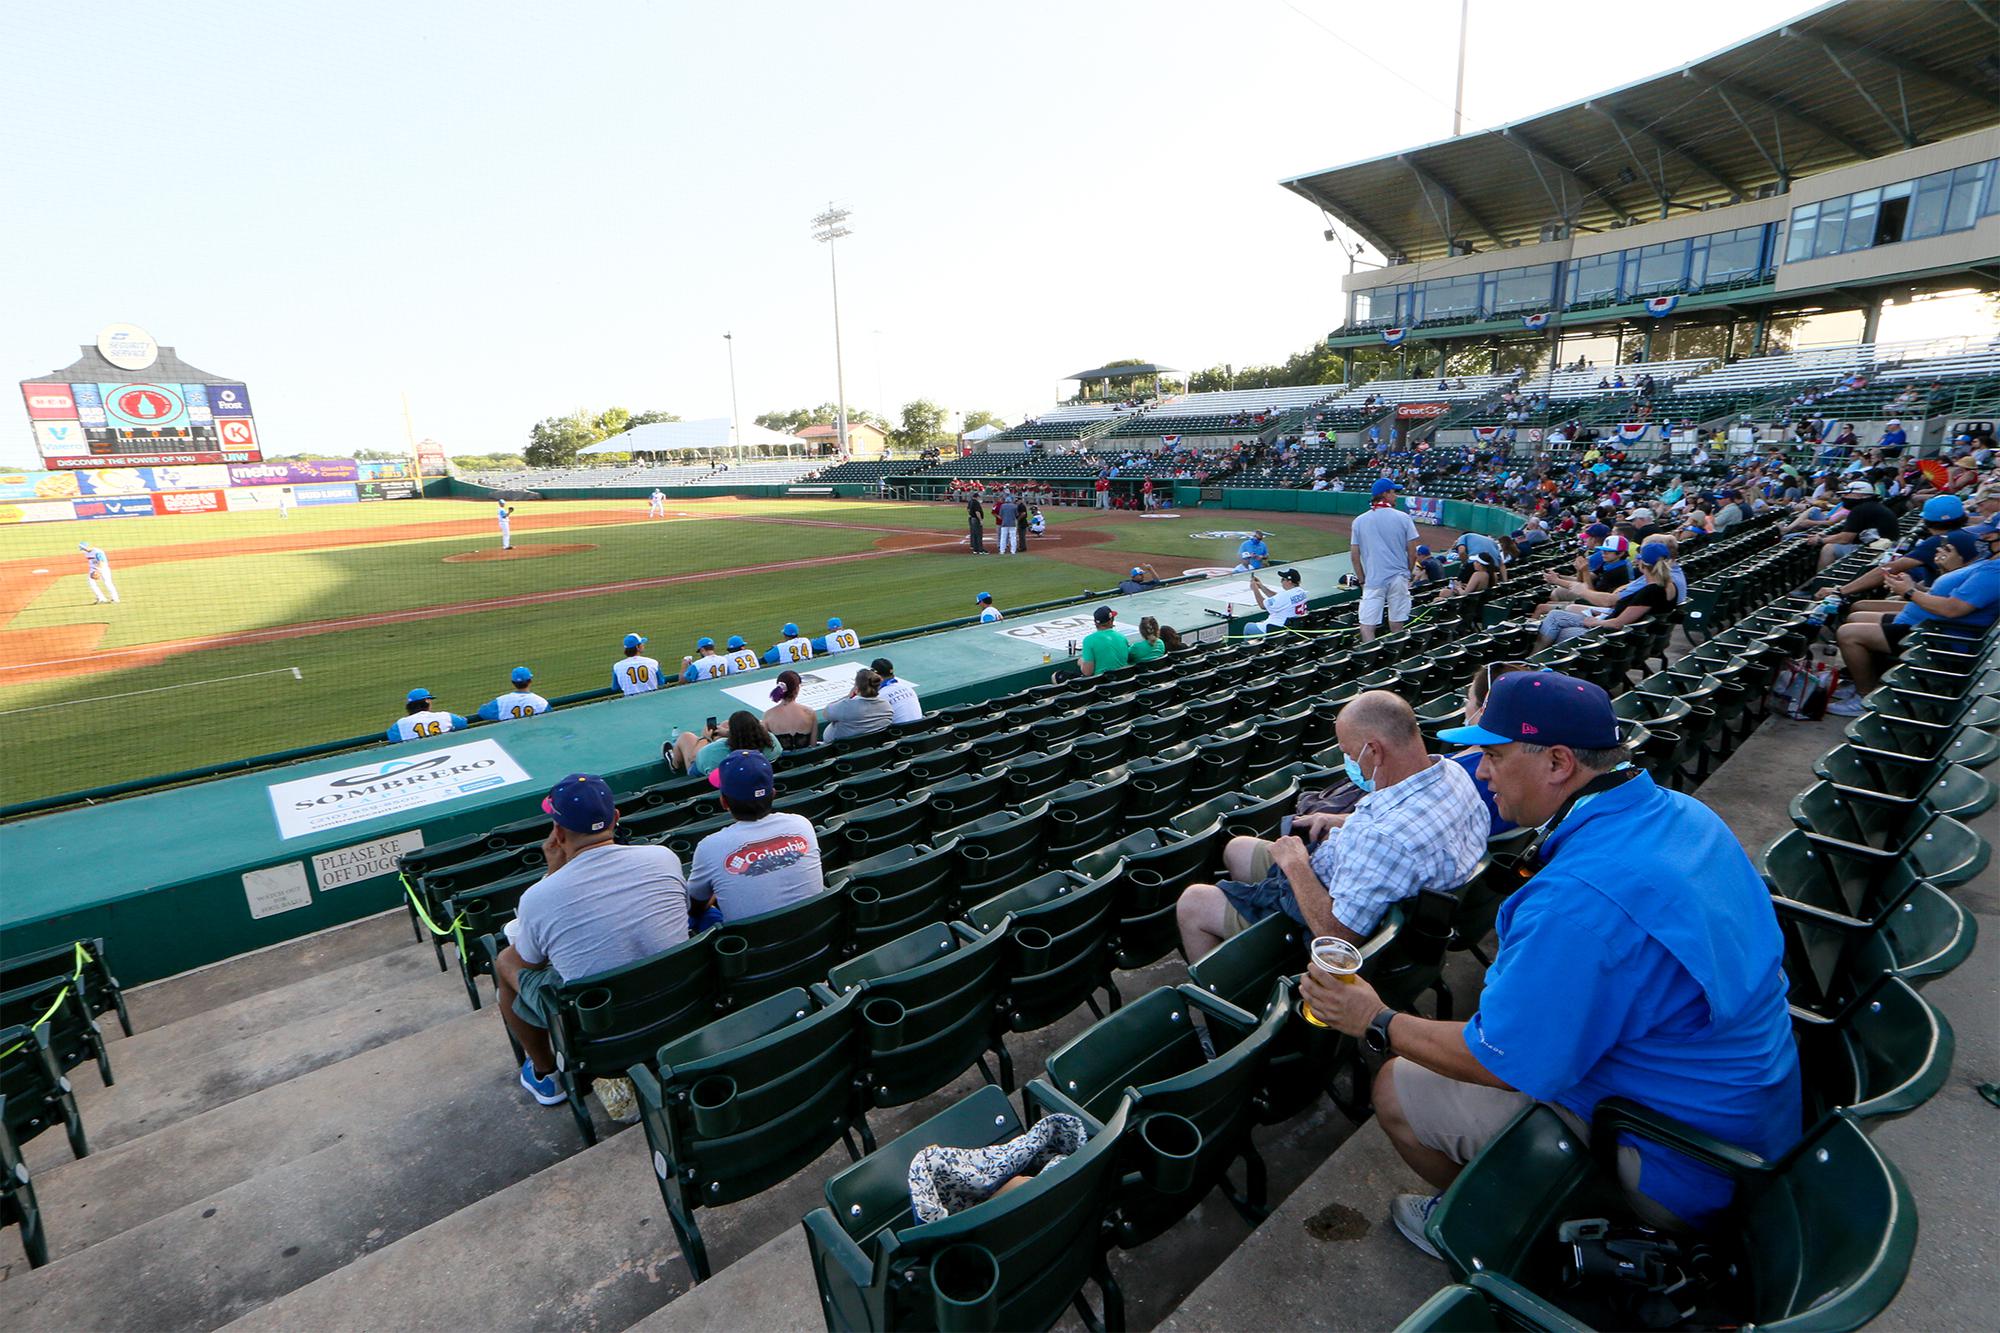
(82, 957)
(456, 929)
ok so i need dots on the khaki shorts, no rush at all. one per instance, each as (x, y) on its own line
(1458, 1119)
(1234, 922)
(1396, 593)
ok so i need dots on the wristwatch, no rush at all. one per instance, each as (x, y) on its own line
(1376, 1037)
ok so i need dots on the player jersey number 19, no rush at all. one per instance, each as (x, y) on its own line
(638, 675)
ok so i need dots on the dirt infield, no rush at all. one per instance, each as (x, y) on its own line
(517, 553)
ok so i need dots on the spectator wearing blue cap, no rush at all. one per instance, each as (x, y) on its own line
(1652, 592)
(763, 861)
(1941, 514)
(1141, 579)
(1641, 961)
(517, 702)
(636, 673)
(421, 720)
(705, 663)
(988, 613)
(1961, 602)
(599, 907)
(791, 647)
(1429, 570)
(1382, 546)
(837, 639)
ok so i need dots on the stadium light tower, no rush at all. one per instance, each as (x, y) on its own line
(829, 227)
(735, 413)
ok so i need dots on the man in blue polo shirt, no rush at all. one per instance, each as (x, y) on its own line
(1642, 961)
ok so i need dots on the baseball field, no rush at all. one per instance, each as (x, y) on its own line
(246, 633)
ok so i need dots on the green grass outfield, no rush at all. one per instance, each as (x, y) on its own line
(214, 704)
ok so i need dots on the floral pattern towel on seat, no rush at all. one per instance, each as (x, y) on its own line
(944, 1181)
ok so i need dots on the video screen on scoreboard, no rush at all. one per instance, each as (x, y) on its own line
(141, 425)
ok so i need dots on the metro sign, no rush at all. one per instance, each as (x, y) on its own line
(49, 402)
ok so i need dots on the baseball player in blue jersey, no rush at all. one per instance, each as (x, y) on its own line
(517, 702)
(97, 572)
(506, 527)
(836, 639)
(741, 656)
(635, 673)
(421, 720)
(791, 648)
(706, 664)
(988, 613)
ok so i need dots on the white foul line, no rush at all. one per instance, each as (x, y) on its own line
(129, 694)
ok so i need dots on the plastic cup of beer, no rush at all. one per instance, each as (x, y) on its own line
(1337, 959)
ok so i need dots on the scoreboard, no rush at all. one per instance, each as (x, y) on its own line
(99, 424)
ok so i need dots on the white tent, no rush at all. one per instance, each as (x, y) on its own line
(983, 434)
(708, 436)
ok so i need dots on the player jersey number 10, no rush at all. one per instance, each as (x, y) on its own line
(638, 675)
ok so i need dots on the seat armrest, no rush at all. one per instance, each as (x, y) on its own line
(831, 1242)
(1621, 1115)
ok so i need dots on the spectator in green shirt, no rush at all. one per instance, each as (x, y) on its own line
(1105, 648)
(1149, 645)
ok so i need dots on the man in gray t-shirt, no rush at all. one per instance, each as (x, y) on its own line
(601, 906)
(764, 860)
(1382, 546)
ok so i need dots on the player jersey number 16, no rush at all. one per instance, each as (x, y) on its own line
(638, 675)
(428, 728)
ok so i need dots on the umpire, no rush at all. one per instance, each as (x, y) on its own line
(975, 518)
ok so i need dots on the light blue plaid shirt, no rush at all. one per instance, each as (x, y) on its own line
(1425, 832)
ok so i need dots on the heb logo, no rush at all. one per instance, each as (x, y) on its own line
(49, 402)
(1407, 411)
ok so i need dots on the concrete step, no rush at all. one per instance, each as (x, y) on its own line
(770, 1289)
(198, 1224)
(214, 1056)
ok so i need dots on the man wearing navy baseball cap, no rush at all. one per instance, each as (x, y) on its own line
(1642, 960)
(764, 860)
(600, 906)
(1143, 578)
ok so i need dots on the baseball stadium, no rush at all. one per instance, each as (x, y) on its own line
(1490, 828)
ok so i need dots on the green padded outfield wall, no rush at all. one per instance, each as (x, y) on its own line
(188, 876)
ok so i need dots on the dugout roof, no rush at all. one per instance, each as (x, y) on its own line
(1846, 82)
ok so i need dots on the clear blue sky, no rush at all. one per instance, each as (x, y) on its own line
(513, 210)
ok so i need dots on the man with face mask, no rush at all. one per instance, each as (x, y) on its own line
(1421, 826)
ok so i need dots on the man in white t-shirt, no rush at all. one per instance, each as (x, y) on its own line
(762, 861)
(1281, 607)
(902, 695)
(600, 906)
(1383, 548)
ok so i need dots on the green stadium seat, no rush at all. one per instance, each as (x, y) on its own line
(960, 800)
(1050, 732)
(896, 891)
(815, 807)
(91, 969)
(1095, 752)
(1916, 931)
(57, 1008)
(927, 1009)
(1857, 844)
(1949, 789)
(1059, 927)
(872, 785)
(1487, 1303)
(1002, 745)
(1000, 850)
(911, 743)
(427, 893)
(1893, 735)
(867, 830)
(1084, 815)
(682, 839)
(601, 1025)
(1159, 785)
(483, 911)
(937, 766)
(1112, 712)
(1823, 1235)
(1151, 871)
(18, 1206)
(33, 1091)
(758, 956)
(1884, 1055)
(1033, 776)
(1210, 712)
(1148, 1057)
(1157, 732)
(747, 1101)
(1018, 1260)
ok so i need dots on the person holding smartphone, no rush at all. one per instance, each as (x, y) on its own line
(702, 752)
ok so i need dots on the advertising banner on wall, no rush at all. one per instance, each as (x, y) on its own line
(383, 787)
(176, 458)
(38, 511)
(1425, 508)
(144, 406)
(205, 477)
(188, 502)
(430, 460)
(56, 439)
(236, 433)
(258, 497)
(273, 474)
(1414, 411)
(387, 490)
(115, 481)
(39, 486)
(196, 398)
(324, 493)
(229, 400)
(378, 469)
(89, 404)
(49, 402)
(115, 506)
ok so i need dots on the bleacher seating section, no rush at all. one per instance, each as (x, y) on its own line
(998, 863)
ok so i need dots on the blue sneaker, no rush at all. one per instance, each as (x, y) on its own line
(544, 1089)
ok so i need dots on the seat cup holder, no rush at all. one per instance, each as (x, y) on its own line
(1149, 887)
(882, 1020)
(712, 1102)
(867, 900)
(593, 1010)
(1033, 944)
(1172, 1151)
(965, 1289)
(732, 956)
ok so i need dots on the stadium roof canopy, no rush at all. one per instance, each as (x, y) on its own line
(664, 436)
(1120, 372)
(1846, 82)
(92, 368)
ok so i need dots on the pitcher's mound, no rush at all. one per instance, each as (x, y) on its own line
(518, 553)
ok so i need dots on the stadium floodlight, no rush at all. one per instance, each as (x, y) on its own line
(828, 228)
(735, 413)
